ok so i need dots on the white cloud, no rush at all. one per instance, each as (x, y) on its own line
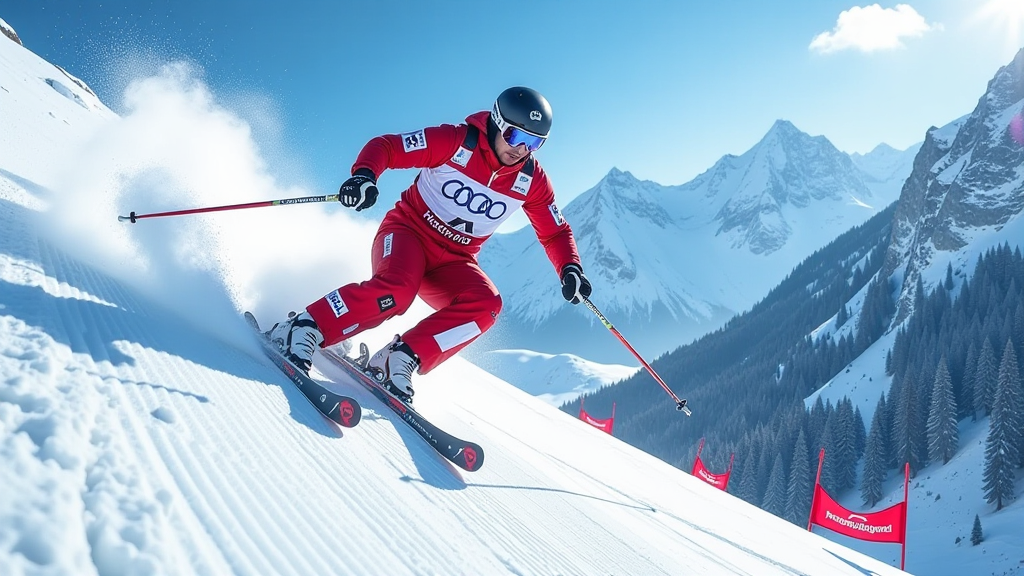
(872, 28)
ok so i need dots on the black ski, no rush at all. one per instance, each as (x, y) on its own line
(341, 409)
(466, 455)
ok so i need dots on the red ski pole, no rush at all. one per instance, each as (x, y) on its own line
(133, 217)
(680, 404)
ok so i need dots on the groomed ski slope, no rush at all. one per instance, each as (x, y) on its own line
(143, 432)
(132, 442)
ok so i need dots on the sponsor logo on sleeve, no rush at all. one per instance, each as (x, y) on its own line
(556, 214)
(413, 141)
(337, 304)
(388, 240)
(522, 184)
(462, 157)
(386, 302)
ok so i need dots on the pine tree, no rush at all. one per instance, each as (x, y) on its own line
(748, 481)
(860, 433)
(882, 412)
(966, 402)
(798, 495)
(1009, 371)
(906, 424)
(875, 314)
(742, 451)
(842, 316)
(874, 461)
(844, 473)
(985, 379)
(943, 435)
(775, 495)
(1001, 447)
(816, 423)
(976, 535)
(830, 466)
(764, 466)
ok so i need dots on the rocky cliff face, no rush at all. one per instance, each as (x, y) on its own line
(9, 32)
(968, 178)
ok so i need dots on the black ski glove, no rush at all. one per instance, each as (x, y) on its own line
(359, 191)
(575, 286)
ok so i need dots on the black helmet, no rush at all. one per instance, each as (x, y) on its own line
(522, 108)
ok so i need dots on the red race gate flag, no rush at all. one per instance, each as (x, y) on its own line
(605, 425)
(883, 526)
(889, 525)
(720, 481)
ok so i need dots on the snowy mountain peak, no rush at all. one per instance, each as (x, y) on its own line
(791, 140)
(618, 192)
(617, 182)
(783, 129)
(967, 184)
(8, 31)
(884, 162)
(615, 175)
(1006, 87)
(882, 148)
(787, 170)
(679, 260)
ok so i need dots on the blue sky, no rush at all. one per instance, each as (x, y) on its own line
(661, 89)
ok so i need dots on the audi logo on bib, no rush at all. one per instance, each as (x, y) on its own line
(460, 207)
(474, 202)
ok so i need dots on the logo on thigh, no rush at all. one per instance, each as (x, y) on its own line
(386, 302)
(337, 304)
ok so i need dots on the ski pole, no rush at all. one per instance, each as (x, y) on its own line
(680, 404)
(133, 217)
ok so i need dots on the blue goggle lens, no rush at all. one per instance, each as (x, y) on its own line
(514, 137)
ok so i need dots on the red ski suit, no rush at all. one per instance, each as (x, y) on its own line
(427, 244)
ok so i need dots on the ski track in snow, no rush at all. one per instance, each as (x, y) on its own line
(472, 515)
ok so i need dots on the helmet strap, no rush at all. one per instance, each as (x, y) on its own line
(492, 134)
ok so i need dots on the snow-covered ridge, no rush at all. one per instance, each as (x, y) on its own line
(967, 185)
(554, 378)
(671, 263)
(8, 31)
(885, 163)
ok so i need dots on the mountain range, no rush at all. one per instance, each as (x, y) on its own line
(671, 263)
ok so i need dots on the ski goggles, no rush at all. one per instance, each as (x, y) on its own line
(515, 136)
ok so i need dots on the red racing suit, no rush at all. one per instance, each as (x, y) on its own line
(427, 244)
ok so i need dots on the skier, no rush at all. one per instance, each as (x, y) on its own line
(473, 177)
